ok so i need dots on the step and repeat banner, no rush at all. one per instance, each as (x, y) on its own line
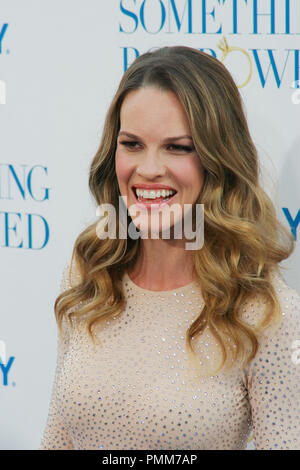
(60, 64)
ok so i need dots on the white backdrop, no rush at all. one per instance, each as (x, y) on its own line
(60, 64)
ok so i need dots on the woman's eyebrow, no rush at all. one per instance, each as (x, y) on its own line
(168, 139)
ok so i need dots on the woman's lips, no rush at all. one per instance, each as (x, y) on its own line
(151, 205)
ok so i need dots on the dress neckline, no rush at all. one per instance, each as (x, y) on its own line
(194, 284)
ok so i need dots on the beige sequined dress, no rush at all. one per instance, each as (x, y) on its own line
(135, 391)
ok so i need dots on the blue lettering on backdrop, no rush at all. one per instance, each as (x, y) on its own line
(272, 64)
(131, 53)
(188, 5)
(2, 32)
(287, 17)
(234, 15)
(22, 225)
(204, 15)
(175, 16)
(293, 223)
(271, 14)
(297, 67)
(5, 369)
(21, 230)
(7, 228)
(208, 51)
(23, 185)
(163, 16)
(126, 51)
(29, 183)
(138, 10)
(131, 15)
(30, 231)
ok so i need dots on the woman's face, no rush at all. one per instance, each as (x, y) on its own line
(155, 151)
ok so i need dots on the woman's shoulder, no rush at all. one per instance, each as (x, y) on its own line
(284, 291)
(70, 276)
(289, 299)
(253, 311)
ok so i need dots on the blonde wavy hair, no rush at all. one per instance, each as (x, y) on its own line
(243, 239)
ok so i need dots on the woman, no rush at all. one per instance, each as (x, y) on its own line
(160, 346)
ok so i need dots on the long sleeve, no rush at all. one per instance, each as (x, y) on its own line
(273, 379)
(56, 435)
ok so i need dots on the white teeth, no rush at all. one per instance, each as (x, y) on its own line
(153, 194)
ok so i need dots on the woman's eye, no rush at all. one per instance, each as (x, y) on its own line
(181, 148)
(133, 145)
(129, 144)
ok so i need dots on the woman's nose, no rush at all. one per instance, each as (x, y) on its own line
(151, 165)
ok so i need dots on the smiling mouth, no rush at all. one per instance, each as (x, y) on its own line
(152, 201)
